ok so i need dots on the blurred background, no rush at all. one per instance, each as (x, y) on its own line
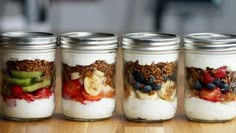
(119, 16)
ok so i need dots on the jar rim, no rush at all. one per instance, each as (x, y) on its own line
(28, 40)
(150, 41)
(89, 40)
(210, 41)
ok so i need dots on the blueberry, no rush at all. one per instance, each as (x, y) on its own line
(217, 81)
(137, 85)
(147, 89)
(211, 86)
(224, 86)
(197, 85)
(156, 86)
(151, 79)
(138, 76)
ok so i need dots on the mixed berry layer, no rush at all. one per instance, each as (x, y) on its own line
(211, 84)
(151, 81)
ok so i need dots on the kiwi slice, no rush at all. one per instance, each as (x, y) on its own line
(21, 82)
(38, 79)
(36, 86)
(24, 74)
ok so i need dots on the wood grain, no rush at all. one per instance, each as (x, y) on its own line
(118, 123)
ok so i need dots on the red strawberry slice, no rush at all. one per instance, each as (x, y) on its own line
(28, 97)
(71, 88)
(92, 98)
(210, 95)
(43, 93)
(206, 78)
(16, 91)
(220, 72)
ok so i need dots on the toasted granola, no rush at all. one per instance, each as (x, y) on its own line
(87, 71)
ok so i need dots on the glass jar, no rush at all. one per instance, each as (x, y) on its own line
(28, 75)
(210, 77)
(150, 74)
(88, 71)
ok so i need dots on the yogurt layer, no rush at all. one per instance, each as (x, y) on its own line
(149, 109)
(146, 59)
(213, 61)
(39, 108)
(90, 110)
(197, 108)
(73, 59)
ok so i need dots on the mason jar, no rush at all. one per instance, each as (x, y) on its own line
(28, 75)
(88, 72)
(150, 76)
(210, 68)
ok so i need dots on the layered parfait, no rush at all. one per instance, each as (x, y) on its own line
(150, 90)
(27, 89)
(210, 93)
(88, 91)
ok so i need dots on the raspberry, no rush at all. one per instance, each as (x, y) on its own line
(16, 90)
(220, 72)
(206, 78)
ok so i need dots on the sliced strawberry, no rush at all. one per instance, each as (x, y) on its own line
(28, 97)
(43, 93)
(220, 72)
(79, 98)
(210, 95)
(71, 88)
(91, 98)
(206, 78)
(16, 91)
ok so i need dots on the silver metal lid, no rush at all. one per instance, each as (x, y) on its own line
(28, 40)
(210, 42)
(89, 41)
(148, 41)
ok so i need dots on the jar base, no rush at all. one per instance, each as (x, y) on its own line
(207, 121)
(84, 119)
(144, 120)
(24, 119)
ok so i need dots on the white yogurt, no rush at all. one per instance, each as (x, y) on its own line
(149, 109)
(73, 58)
(40, 108)
(148, 59)
(48, 55)
(214, 60)
(90, 110)
(197, 108)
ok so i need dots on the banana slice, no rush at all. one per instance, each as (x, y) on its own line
(75, 75)
(168, 90)
(93, 85)
(98, 73)
(146, 96)
(106, 88)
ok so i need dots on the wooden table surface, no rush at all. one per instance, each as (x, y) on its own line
(118, 123)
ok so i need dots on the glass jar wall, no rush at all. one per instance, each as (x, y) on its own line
(28, 75)
(88, 71)
(150, 76)
(210, 77)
